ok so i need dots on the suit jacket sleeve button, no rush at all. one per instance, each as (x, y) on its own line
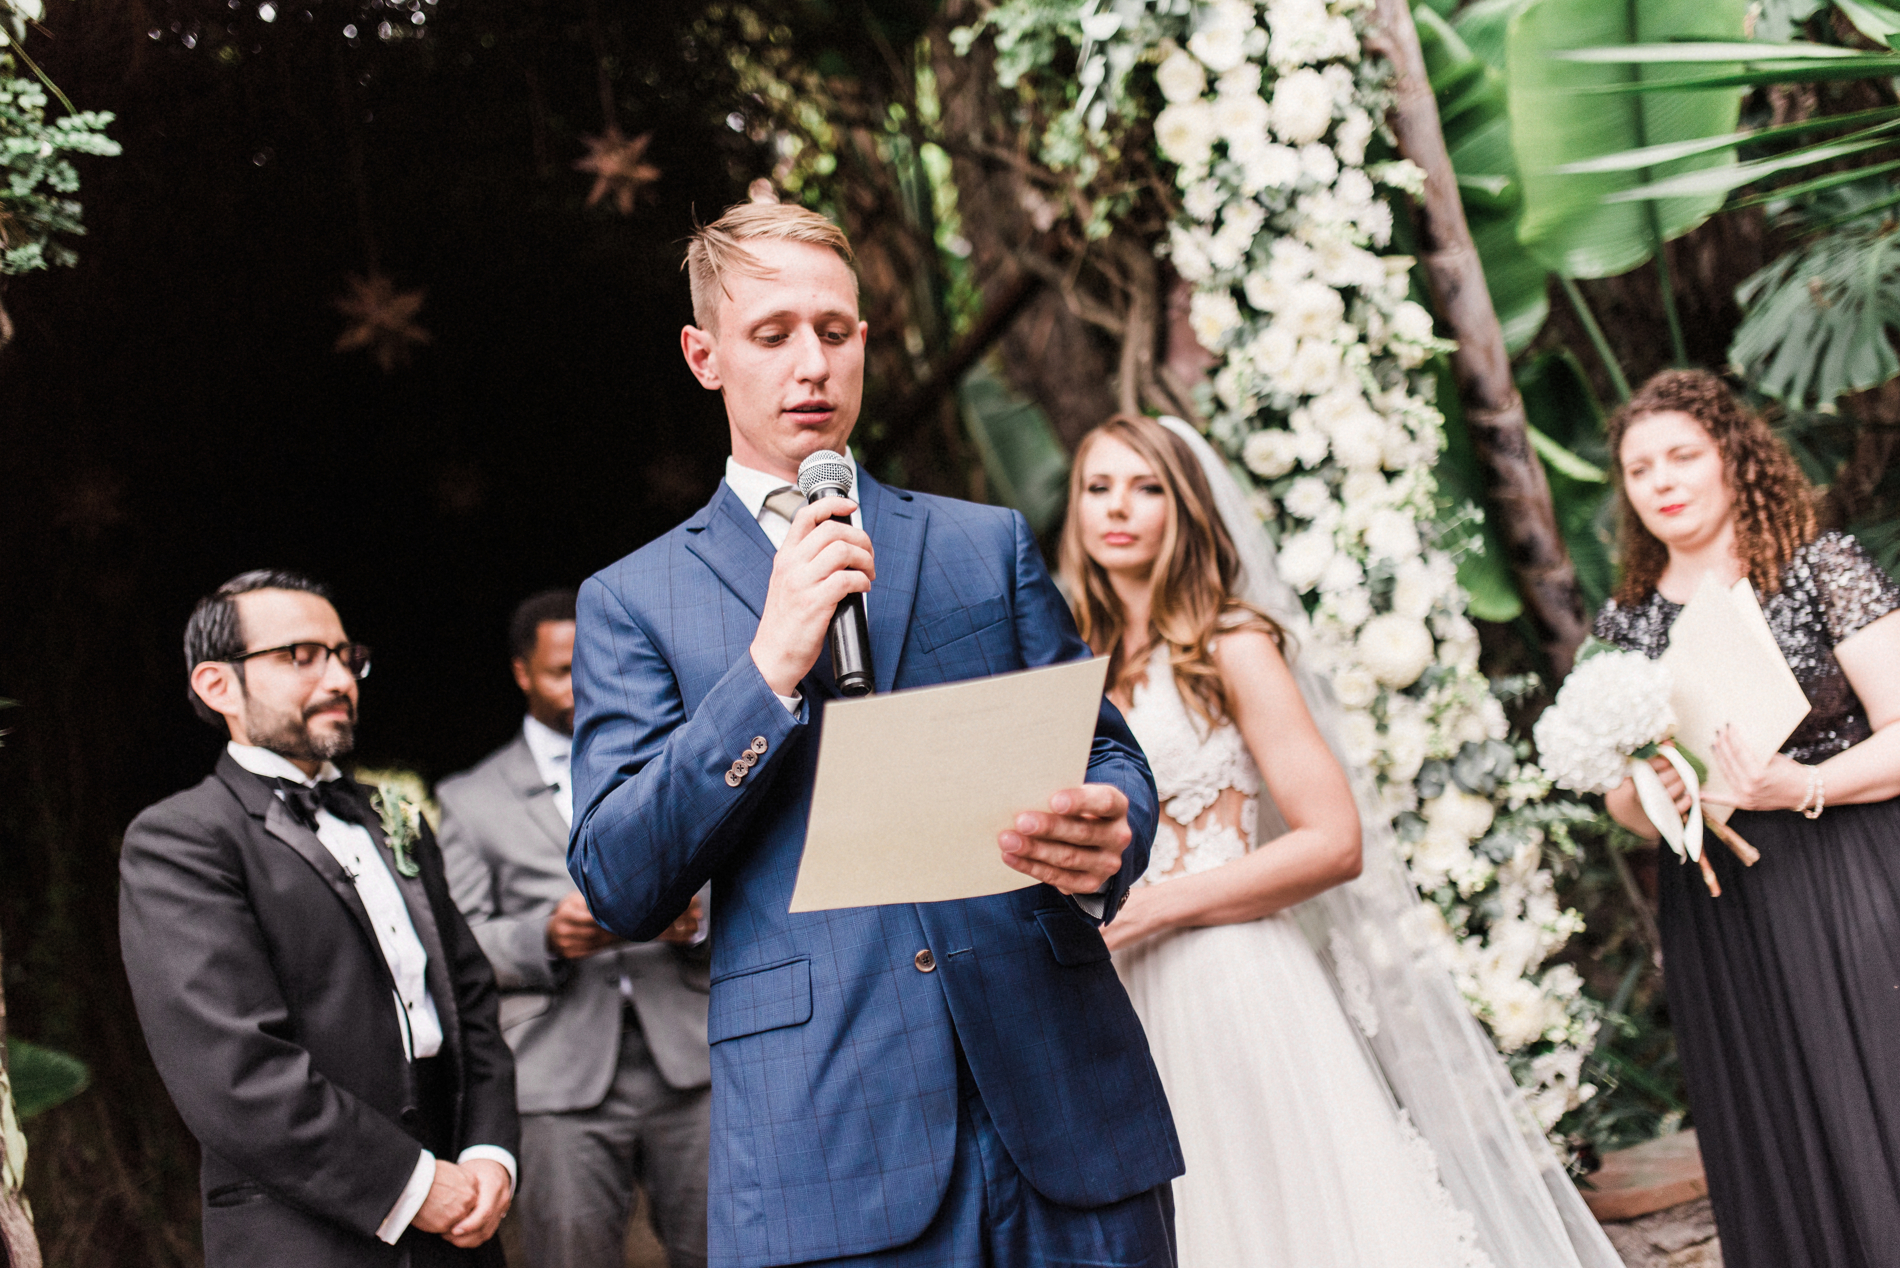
(733, 777)
(925, 962)
(759, 745)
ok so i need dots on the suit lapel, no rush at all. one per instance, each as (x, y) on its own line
(896, 525)
(524, 779)
(415, 897)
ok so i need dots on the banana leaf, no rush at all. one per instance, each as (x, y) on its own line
(1556, 119)
(1878, 22)
(1567, 432)
(1477, 130)
(43, 1078)
(1023, 460)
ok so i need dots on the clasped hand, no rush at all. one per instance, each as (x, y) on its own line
(1780, 783)
(466, 1201)
(821, 562)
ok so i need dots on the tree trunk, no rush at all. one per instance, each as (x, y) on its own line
(1519, 495)
(19, 1248)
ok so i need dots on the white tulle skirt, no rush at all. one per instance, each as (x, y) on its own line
(1296, 1157)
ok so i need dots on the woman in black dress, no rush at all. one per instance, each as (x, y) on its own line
(1785, 991)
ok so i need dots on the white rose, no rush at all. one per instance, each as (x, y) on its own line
(1302, 107)
(1355, 688)
(1263, 293)
(1213, 316)
(1185, 132)
(1307, 497)
(1406, 741)
(1270, 453)
(1392, 534)
(1435, 856)
(1311, 447)
(1395, 648)
(1180, 77)
(1221, 43)
(1366, 488)
(1303, 560)
(1319, 164)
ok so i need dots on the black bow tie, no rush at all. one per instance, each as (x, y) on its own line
(343, 798)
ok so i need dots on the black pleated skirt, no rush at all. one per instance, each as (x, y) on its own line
(1785, 998)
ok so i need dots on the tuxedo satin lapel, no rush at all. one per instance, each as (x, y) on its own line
(896, 526)
(733, 545)
(280, 823)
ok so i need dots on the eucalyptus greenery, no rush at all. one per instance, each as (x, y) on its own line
(37, 206)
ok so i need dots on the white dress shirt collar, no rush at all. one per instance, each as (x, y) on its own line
(753, 487)
(261, 761)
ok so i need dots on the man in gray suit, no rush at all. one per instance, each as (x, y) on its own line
(609, 1037)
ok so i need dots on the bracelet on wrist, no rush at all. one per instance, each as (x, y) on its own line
(1820, 794)
(1808, 799)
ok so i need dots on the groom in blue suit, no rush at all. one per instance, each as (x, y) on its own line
(957, 1084)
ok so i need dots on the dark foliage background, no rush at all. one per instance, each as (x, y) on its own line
(172, 413)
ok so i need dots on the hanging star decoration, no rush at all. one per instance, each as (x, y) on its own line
(619, 167)
(382, 320)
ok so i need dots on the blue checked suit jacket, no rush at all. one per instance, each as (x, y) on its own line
(833, 1054)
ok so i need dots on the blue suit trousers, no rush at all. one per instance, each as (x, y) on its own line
(992, 1218)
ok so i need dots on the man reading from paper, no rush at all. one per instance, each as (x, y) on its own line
(954, 1083)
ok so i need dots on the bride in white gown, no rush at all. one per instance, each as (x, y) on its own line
(1298, 1152)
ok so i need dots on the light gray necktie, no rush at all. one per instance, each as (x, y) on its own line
(785, 501)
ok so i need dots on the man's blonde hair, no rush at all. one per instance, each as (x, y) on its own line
(719, 248)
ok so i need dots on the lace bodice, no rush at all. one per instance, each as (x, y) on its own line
(1209, 786)
(1829, 590)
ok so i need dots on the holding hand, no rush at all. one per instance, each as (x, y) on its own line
(1077, 848)
(683, 930)
(1780, 783)
(821, 562)
(493, 1195)
(451, 1199)
(573, 933)
(1627, 810)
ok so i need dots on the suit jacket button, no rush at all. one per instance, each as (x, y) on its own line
(747, 759)
(759, 745)
(732, 777)
(925, 962)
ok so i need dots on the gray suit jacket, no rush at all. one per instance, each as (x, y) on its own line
(506, 852)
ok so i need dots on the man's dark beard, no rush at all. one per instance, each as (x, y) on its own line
(290, 736)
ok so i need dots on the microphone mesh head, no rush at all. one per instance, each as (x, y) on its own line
(824, 469)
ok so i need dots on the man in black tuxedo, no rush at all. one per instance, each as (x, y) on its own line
(317, 1006)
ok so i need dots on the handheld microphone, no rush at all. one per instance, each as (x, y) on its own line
(822, 475)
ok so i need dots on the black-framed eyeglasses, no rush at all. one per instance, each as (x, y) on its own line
(310, 659)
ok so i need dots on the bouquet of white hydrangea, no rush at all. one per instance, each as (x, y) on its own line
(1612, 715)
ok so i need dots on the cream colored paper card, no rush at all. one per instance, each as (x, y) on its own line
(1728, 671)
(913, 787)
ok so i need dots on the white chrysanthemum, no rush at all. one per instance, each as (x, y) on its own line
(1355, 688)
(1273, 349)
(1221, 43)
(1407, 740)
(1213, 316)
(1392, 534)
(1270, 453)
(1318, 163)
(1457, 639)
(1315, 369)
(1186, 134)
(1233, 384)
(1303, 559)
(1265, 164)
(1203, 200)
(1180, 77)
(1188, 249)
(1352, 136)
(1343, 572)
(1354, 188)
(1240, 116)
(1359, 442)
(1611, 705)
(1313, 309)
(1306, 497)
(1243, 80)
(1338, 262)
(1349, 606)
(1395, 648)
(1411, 323)
(1414, 589)
(1520, 1012)
(1302, 107)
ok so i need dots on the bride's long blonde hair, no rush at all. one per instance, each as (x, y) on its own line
(1190, 588)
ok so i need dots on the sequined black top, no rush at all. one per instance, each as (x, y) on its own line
(1830, 589)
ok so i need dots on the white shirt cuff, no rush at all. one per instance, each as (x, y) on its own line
(414, 1194)
(494, 1153)
(791, 702)
(1093, 904)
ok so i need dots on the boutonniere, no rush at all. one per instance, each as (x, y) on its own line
(402, 823)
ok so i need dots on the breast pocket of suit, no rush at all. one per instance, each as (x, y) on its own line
(973, 637)
(753, 1000)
